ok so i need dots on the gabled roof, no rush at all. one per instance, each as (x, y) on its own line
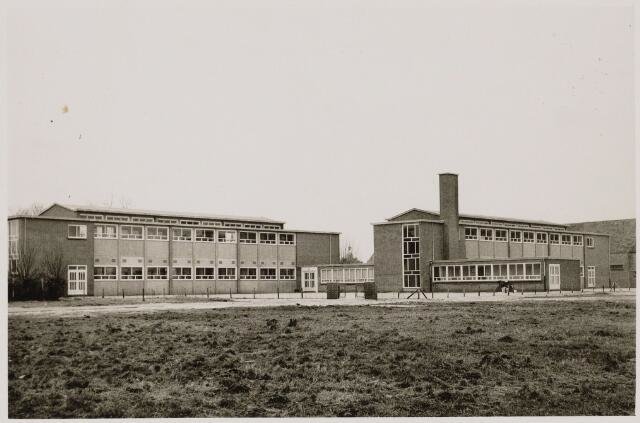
(125, 211)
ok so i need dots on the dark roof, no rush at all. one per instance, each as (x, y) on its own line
(622, 232)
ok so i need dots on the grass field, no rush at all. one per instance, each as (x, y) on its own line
(438, 359)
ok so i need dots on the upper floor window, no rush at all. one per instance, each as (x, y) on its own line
(410, 230)
(130, 232)
(226, 236)
(470, 233)
(554, 239)
(92, 216)
(181, 273)
(205, 235)
(77, 231)
(541, 238)
(577, 240)
(566, 239)
(590, 242)
(486, 234)
(157, 272)
(267, 273)
(287, 239)
(515, 236)
(248, 237)
(267, 238)
(105, 273)
(205, 273)
(182, 234)
(112, 218)
(190, 222)
(105, 231)
(165, 220)
(501, 235)
(157, 233)
(248, 273)
(528, 237)
(140, 219)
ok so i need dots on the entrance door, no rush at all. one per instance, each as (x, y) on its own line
(77, 278)
(310, 279)
(554, 276)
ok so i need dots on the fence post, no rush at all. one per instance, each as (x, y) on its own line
(508, 291)
(398, 294)
(278, 290)
(163, 291)
(464, 292)
(603, 288)
(123, 293)
(432, 294)
(42, 289)
(254, 293)
(102, 292)
(301, 294)
(142, 294)
(207, 293)
(447, 292)
(230, 293)
(478, 291)
(494, 292)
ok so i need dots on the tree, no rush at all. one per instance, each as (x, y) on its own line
(33, 210)
(23, 280)
(53, 275)
(348, 255)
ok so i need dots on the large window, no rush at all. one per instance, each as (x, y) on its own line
(248, 238)
(102, 273)
(591, 276)
(205, 235)
(528, 237)
(130, 232)
(486, 272)
(541, 237)
(182, 234)
(469, 273)
(105, 231)
(287, 274)
(157, 272)
(226, 273)
(131, 273)
(289, 239)
(77, 231)
(554, 239)
(267, 238)
(515, 236)
(411, 256)
(566, 239)
(248, 273)
(181, 272)
(590, 243)
(577, 240)
(205, 273)
(486, 234)
(501, 235)
(227, 237)
(267, 273)
(157, 234)
(470, 233)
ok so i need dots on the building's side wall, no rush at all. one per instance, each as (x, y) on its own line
(387, 244)
(598, 256)
(313, 249)
(431, 248)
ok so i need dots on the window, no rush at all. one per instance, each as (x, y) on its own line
(181, 272)
(500, 271)
(116, 218)
(411, 247)
(267, 273)
(182, 234)
(139, 219)
(577, 240)
(566, 239)
(470, 233)
(541, 238)
(454, 273)
(554, 239)
(226, 273)
(105, 231)
(13, 239)
(469, 272)
(205, 273)
(168, 221)
(205, 235)
(484, 272)
(267, 238)
(501, 235)
(529, 237)
(92, 216)
(515, 236)
(590, 243)
(102, 273)
(157, 272)
(412, 264)
(232, 225)
(190, 222)
(516, 271)
(591, 276)
(287, 239)
(411, 256)
(272, 227)
(248, 238)
(226, 236)
(157, 234)
(130, 273)
(77, 231)
(486, 234)
(248, 273)
(252, 226)
(617, 267)
(532, 271)
(410, 231)
(210, 223)
(581, 274)
(130, 232)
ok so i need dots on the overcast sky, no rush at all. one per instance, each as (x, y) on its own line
(328, 115)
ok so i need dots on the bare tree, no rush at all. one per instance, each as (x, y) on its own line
(348, 255)
(26, 267)
(53, 274)
(33, 210)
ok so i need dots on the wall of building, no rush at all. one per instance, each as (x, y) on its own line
(387, 244)
(313, 249)
(431, 248)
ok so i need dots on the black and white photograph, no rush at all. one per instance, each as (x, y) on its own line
(318, 209)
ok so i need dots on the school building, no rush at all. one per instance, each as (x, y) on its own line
(109, 251)
(450, 251)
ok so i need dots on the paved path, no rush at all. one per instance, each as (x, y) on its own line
(55, 310)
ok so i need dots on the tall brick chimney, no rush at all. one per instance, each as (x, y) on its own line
(449, 213)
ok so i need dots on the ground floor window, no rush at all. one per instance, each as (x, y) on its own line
(101, 273)
(226, 273)
(287, 274)
(412, 281)
(267, 273)
(157, 272)
(205, 273)
(481, 272)
(248, 273)
(181, 272)
(130, 273)
(591, 276)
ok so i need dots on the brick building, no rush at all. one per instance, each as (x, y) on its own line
(623, 247)
(447, 250)
(109, 250)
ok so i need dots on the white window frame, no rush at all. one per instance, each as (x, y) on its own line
(504, 238)
(563, 237)
(231, 239)
(486, 234)
(182, 234)
(514, 240)
(590, 242)
(286, 241)
(99, 232)
(204, 238)
(591, 276)
(156, 236)
(157, 276)
(470, 233)
(543, 235)
(75, 273)
(131, 235)
(104, 277)
(249, 277)
(80, 231)
(247, 240)
(167, 221)
(92, 217)
(552, 241)
(530, 240)
(110, 218)
(268, 241)
(577, 240)
(226, 276)
(205, 277)
(141, 219)
(131, 277)
(269, 276)
(411, 237)
(190, 222)
(179, 273)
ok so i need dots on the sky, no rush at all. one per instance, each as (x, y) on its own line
(328, 115)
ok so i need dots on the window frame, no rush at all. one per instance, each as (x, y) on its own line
(212, 238)
(563, 237)
(543, 235)
(79, 231)
(504, 238)
(531, 239)
(286, 241)
(267, 241)
(205, 277)
(486, 237)
(158, 276)
(105, 277)
(101, 226)
(178, 273)
(226, 276)
(157, 237)
(291, 277)
(590, 242)
(470, 233)
(130, 236)
(225, 240)
(132, 276)
(247, 240)
(248, 277)
(268, 277)
(514, 240)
